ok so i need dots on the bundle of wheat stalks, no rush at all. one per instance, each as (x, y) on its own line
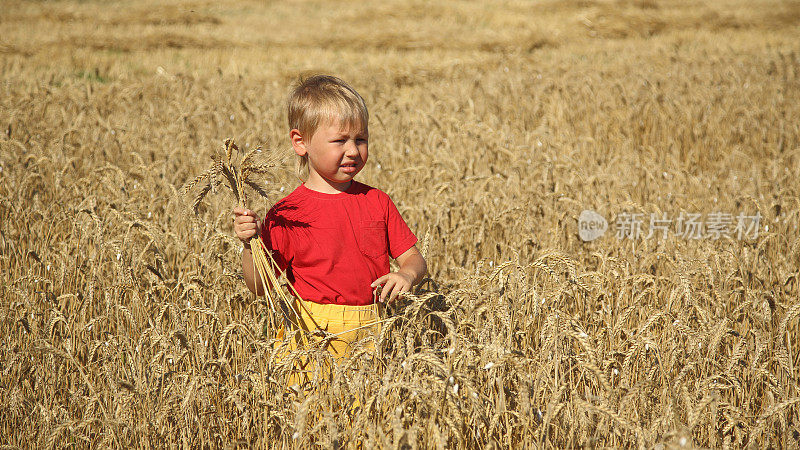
(234, 170)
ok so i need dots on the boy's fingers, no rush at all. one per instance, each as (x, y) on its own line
(246, 236)
(388, 292)
(379, 281)
(242, 227)
(398, 289)
(239, 227)
(239, 211)
(244, 219)
(384, 292)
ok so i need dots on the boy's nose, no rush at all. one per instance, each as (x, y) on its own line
(350, 149)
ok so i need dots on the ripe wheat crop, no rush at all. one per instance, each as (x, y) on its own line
(124, 321)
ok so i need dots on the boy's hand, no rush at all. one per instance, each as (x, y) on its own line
(393, 284)
(245, 224)
(412, 268)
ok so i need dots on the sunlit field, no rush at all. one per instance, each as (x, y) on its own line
(124, 321)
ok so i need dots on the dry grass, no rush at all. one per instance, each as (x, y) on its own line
(124, 321)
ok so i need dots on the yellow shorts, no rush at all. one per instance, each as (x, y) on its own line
(344, 326)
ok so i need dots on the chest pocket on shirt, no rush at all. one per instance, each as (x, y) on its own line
(372, 239)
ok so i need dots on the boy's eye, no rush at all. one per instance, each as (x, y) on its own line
(342, 141)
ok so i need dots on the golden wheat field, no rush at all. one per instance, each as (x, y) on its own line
(124, 321)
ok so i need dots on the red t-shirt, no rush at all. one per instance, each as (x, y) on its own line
(336, 245)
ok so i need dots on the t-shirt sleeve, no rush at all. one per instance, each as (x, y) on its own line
(275, 236)
(400, 236)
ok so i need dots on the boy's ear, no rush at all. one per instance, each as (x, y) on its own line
(298, 143)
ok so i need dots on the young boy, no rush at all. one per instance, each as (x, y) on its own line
(333, 235)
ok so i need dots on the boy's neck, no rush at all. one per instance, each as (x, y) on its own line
(326, 187)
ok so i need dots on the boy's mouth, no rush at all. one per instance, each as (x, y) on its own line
(349, 167)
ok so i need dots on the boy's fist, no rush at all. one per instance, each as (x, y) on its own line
(245, 224)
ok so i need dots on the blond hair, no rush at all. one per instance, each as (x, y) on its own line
(319, 100)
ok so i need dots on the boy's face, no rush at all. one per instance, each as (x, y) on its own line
(335, 156)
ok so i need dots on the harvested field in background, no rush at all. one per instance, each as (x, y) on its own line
(124, 321)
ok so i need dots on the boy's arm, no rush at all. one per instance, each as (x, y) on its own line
(246, 226)
(251, 277)
(412, 263)
(412, 268)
